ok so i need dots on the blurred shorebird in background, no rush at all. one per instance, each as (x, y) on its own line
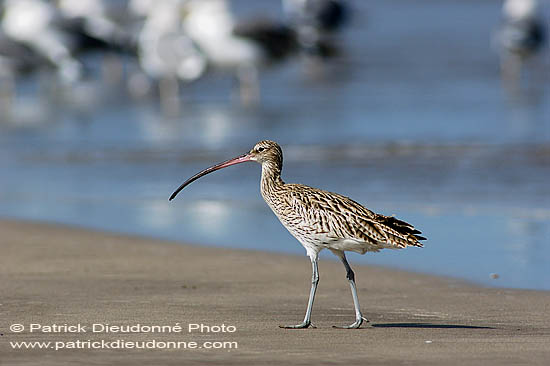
(99, 20)
(521, 35)
(16, 59)
(61, 30)
(317, 23)
(36, 24)
(241, 48)
(321, 220)
(165, 52)
(164, 48)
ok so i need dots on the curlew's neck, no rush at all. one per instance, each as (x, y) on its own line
(271, 177)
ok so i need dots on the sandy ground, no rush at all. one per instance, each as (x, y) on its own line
(53, 275)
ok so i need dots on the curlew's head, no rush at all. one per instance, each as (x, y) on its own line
(266, 152)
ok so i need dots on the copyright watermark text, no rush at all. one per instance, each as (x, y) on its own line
(135, 328)
(122, 331)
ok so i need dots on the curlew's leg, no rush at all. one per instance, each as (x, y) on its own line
(314, 281)
(351, 278)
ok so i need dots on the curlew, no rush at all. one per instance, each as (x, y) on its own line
(319, 219)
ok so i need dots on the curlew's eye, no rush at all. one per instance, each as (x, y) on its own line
(260, 149)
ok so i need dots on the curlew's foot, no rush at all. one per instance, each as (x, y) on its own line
(302, 325)
(355, 325)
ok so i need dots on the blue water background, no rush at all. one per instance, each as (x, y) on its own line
(412, 121)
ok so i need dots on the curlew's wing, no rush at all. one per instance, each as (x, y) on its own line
(339, 218)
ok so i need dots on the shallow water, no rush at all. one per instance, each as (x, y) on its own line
(413, 122)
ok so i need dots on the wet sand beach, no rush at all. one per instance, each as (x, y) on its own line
(56, 275)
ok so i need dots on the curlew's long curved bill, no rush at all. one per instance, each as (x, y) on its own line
(239, 159)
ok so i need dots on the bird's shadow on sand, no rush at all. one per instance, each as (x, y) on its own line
(427, 326)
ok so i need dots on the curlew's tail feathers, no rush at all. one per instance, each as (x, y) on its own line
(409, 233)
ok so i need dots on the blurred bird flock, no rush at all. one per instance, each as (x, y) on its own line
(163, 44)
(439, 109)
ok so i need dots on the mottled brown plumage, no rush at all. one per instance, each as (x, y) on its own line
(320, 219)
